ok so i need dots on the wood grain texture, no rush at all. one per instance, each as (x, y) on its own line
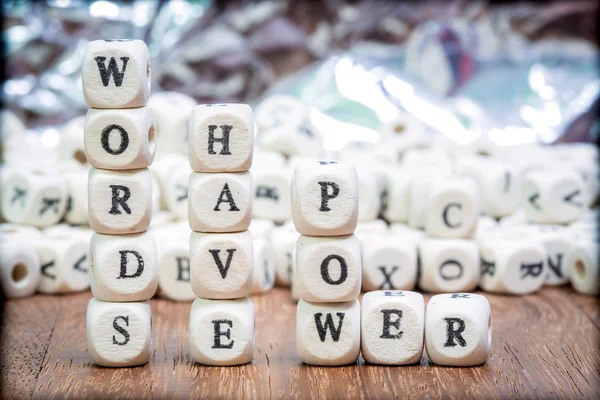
(544, 346)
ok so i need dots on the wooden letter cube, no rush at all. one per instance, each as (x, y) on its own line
(120, 139)
(393, 327)
(222, 331)
(325, 198)
(174, 269)
(264, 266)
(389, 262)
(328, 333)
(458, 329)
(221, 138)
(175, 191)
(220, 202)
(221, 264)
(119, 202)
(119, 334)
(116, 74)
(448, 265)
(396, 203)
(124, 267)
(272, 193)
(284, 249)
(64, 263)
(329, 268)
(19, 265)
(77, 200)
(582, 261)
(172, 112)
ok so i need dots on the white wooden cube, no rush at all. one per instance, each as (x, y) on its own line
(163, 167)
(329, 268)
(119, 334)
(552, 196)
(71, 145)
(452, 209)
(119, 202)
(278, 110)
(77, 200)
(408, 233)
(120, 139)
(365, 230)
(425, 158)
(63, 264)
(458, 329)
(220, 202)
(325, 198)
(33, 197)
(582, 261)
(221, 138)
(176, 188)
(222, 331)
(18, 231)
(264, 266)
(174, 267)
(284, 241)
(267, 159)
(512, 262)
(293, 138)
(116, 74)
(124, 267)
(222, 264)
(396, 204)
(272, 193)
(424, 179)
(328, 334)
(19, 265)
(389, 263)
(557, 240)
(172, 112)
(371, 184)
(261, 228)
(448, 265)
(392, 327)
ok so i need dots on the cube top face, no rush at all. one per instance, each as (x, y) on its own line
(64, 265)
(458, 329)
(221, 264)
(328, 334)
(221, 138)
(220, 202)
(119, 202)
(325, 198)
(123, 267)
(392, 327)
(222, 331)
(120, 139)
(329, 268)
(119, 334)
(116, 74)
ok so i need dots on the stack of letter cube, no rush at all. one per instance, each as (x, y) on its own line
(221, 141)
(119, 137)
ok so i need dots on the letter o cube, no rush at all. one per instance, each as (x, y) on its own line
(458, 329)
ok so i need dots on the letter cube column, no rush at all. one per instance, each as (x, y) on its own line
(328, 262)
(120, 143)
(221, 144)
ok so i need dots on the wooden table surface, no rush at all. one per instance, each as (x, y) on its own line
(544, 346)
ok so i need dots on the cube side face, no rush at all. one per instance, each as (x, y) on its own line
(174, 273)
(19, 268)
(119, 334)
(264, 266)
(449, 265)
(120, 139)
(328, 334)
(116, 74)
(452, 211)
(64, 266)
(584, 268)
(123, 268)
(392, 327)
(272, 195)
(120, 202)
(221, 265)
(221, 138)
(388, 265)
(222, 331)
(499, 190)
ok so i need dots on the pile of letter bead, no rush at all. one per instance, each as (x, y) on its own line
(221, 146)
(119, 138)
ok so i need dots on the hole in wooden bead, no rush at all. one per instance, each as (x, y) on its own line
(151, 139)
(19, 272)
(399, 128)
(580, 269)
(80, 156)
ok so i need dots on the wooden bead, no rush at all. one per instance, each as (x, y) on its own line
(261, 228)
(408, 233)
(19, 265)
(163, 167)
(420, 188)
(392, 327)
(120, 139)
(272, 193)
(116, 74)
(557, 240)
(172, 112)
(123, 267)
(552, 196)
(329, 268)
(448, 265)
(119, 202)
(33, 197)
(64, 264)
(291, 138)
(71, 145)
(119, 334)
(176, 191)
(264, 266)
(174, 268)
(370, 188)
(325, 198)
(452, 209)
(365, 230)
(77, 201)
(389, 263)
(582, 262)
(284, 250)
(397, 199)
(222, 331)
(221, 138)
(221, 264)
(220, 202)
(277, 110)
(458, 329)
(328, 334)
